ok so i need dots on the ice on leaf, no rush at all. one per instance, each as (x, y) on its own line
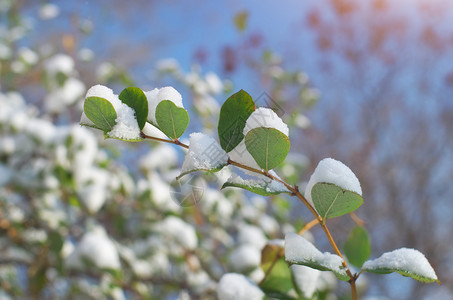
(204, 153)
(405, 261)
(265, 117)
(158, 95)
(300, 251)
(234, 286)
(333, 171)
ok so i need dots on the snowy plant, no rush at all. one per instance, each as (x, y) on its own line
(256, 140)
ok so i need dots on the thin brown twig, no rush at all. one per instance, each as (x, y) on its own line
(295, 191)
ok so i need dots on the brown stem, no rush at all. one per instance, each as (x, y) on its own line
(295, 191)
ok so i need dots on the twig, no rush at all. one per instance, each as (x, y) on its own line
(295, 191)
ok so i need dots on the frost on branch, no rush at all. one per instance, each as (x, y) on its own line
(204, 154)
(333, 171)
(300, 251)
(405, 261)
(234, 286)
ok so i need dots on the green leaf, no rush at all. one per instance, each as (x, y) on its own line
(240, 20)
(257, 186)
(171, 120)
(268, 146)
(301, 252)
(136, 99)
(100, 112)
(332, 201)
(407, 262)
(278, 282)
(233, 116)
(358, 246)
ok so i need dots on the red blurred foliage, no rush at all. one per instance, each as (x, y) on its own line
(229, 59)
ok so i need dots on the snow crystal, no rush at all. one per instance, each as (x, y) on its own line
(299, 250)
(333, 171)
(157, 95)
(306, 279)
(245, 258)
(126, 126)
(234, 286)
(265, 117)
(405, 259)
(204, 153)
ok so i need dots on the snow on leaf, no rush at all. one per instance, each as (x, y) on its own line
(204, 153)
(261, 186)
(301, 252)
(126, 126)
(405, 261)
(333, 171)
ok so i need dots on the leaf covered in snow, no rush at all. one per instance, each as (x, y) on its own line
(405, 261)
(204, 154)
(301, 252)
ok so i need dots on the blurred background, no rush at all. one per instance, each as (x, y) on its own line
(369, 83)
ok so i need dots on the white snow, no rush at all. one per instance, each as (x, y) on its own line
(177, 230)
(299, 250)
(306, 279)
(28, 55)
(157, 95)
(97, 248)
(265, 117)
(204, 153)
(245, 258)
(234, 286)
(241, 155)
(48, 11)
(404, 259)
(333, 171)
(126, 126)
(59, 63)
(162, 157)
(58, 100)
(253, 235)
